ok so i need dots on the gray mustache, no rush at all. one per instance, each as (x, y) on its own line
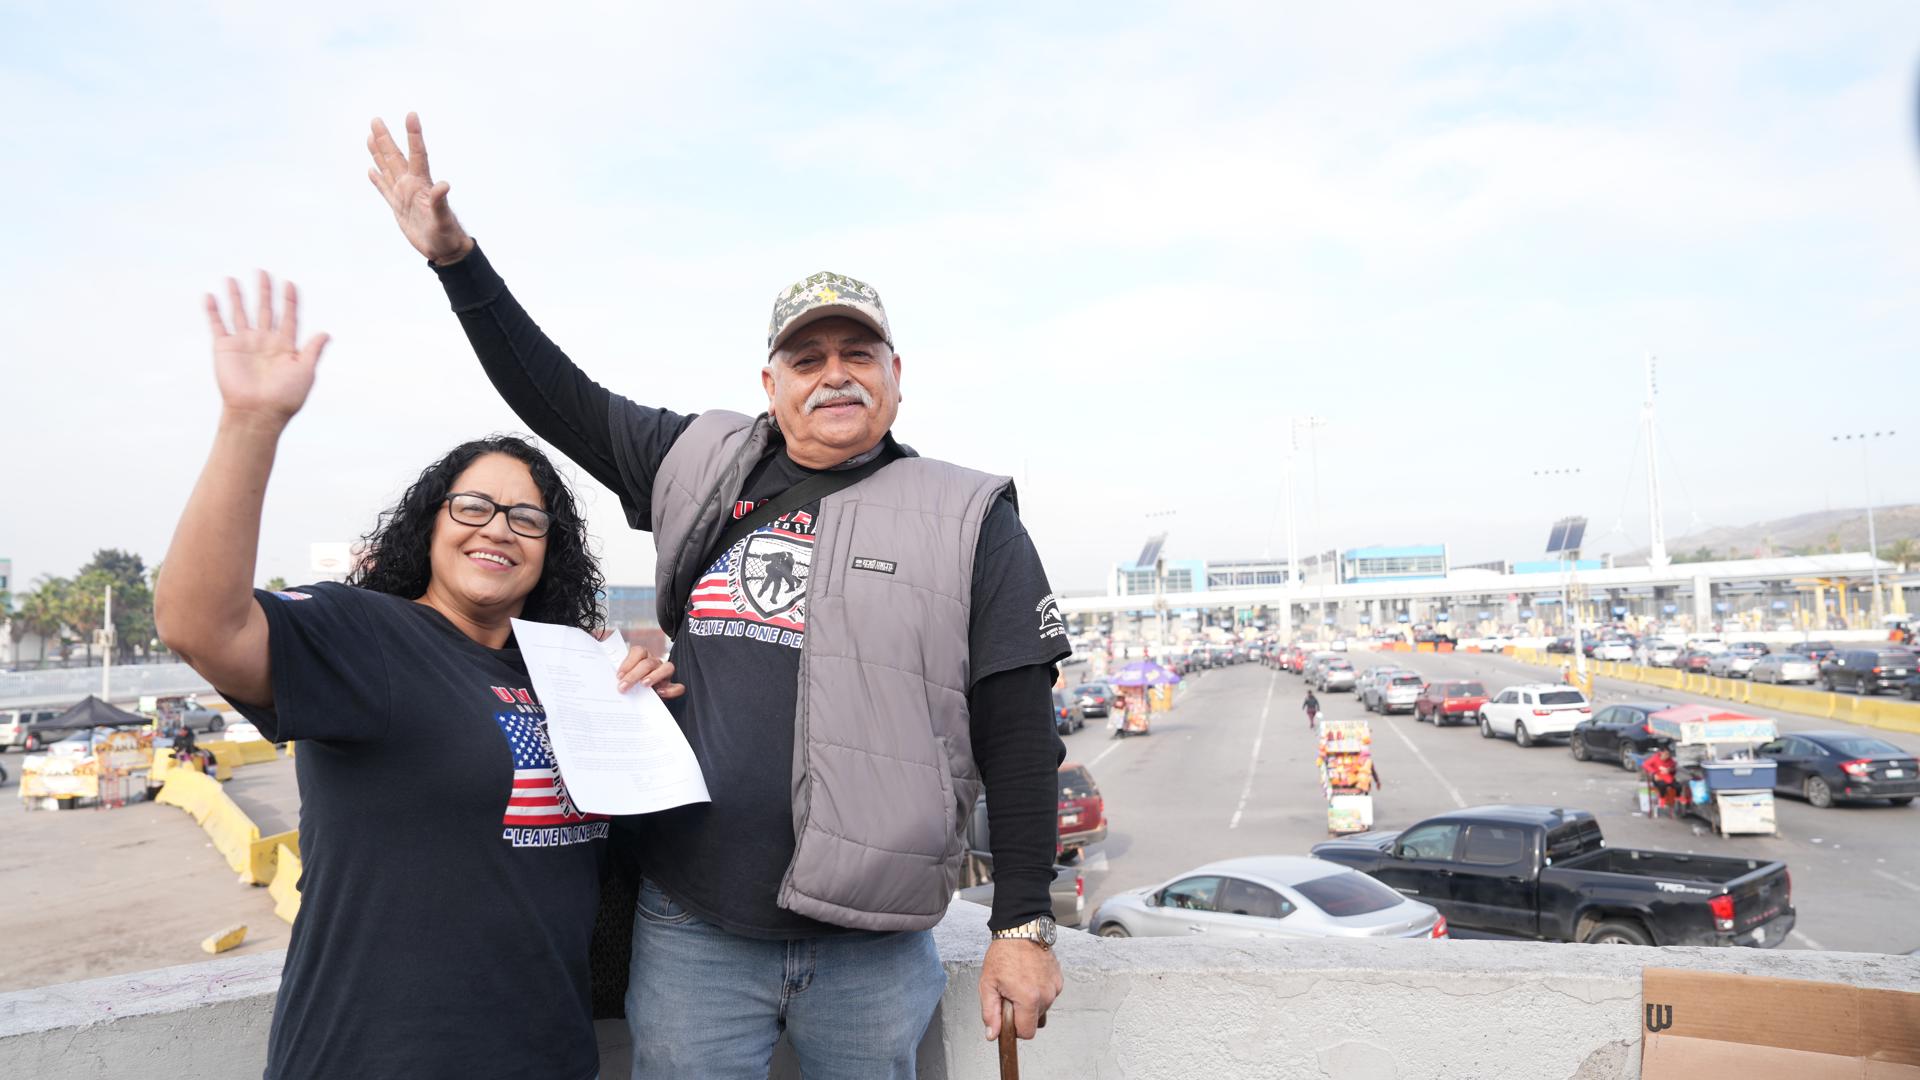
(828, 395)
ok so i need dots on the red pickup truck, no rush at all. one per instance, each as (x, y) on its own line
(1450, 701)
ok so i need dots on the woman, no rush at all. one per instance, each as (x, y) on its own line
(449, 884)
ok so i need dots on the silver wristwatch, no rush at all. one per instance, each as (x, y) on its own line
(1040, 931)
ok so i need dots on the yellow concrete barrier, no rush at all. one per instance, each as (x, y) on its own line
(232, 832)
(285, 886)
(261, 856)
(244, 752)
(1893, 714)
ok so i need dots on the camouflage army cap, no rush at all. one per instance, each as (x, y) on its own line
(823, 295)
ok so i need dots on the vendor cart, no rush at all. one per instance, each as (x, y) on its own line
(1723, 779)
(1346, 775)
(1132, 709)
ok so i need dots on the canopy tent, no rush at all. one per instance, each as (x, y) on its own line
(1711, 724)
(1143, 673)
(92, 713)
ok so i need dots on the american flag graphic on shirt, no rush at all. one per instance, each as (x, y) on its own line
(539, 795)
(758, 587)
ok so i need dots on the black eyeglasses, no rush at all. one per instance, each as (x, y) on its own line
(468, 508)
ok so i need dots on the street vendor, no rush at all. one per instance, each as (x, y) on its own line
(1660, 769)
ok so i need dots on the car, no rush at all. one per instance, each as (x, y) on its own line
(1866, 671)
(1693, 661)
(1619, 733)
(1613, 649)
(1067, 717)
(1534, 711)
(1736, 663)
(1364, 682)
(1394, 692)
(1311, 669)
(1083, 812)
(1825, 767)
(1561, 645)
(1274, 896)
(1495, 643)
(1545, 873)
(25, 728)
(1784, 667)
(1068, 890)
(1445, 701)
(1338, 644)
(1911, 688)
(1655, 652)
(1816, 651)
(1094, 698)
(1334, 674)
(1707, 643)
(242, 731)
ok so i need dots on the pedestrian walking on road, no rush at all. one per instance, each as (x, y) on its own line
(1312, 706)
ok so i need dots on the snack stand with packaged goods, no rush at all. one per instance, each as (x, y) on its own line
(1723, 780)
(1133, 701)
(109, 768)
(1346, 775)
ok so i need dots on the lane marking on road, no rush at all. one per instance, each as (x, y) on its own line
(1259, 735)
(1454, 792)
(1807, 941)
(1897, 880)
(1102, 755)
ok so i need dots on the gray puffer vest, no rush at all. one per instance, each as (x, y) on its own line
(883, 774)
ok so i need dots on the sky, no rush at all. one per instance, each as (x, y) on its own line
(1120, 245)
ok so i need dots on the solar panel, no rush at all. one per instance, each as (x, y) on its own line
(1152, 551)
(1567, 534)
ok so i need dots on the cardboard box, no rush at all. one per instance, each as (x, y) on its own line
(1698, 1025)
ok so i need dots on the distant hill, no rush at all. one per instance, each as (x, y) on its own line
(1802, 534)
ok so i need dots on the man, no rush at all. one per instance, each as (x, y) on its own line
(1312, 707)
(857, 667)
(1661, 772)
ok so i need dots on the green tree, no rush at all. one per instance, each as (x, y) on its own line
(132, 601)
(1903, 553)
(276, 584)
(41, 611)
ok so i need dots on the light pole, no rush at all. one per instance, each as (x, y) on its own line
(1295, 425)
(1866, 439)
(1569, 605)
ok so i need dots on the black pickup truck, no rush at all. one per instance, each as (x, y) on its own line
(1544, 873)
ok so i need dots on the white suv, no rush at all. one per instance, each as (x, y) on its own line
(1533, 712)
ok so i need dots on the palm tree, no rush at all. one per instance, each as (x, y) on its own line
(40, 611)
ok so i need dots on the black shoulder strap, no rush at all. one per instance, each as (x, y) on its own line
(815, 487)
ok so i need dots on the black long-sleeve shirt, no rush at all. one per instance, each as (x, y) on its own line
(1012, 732)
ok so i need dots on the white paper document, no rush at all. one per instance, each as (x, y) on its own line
(618, 753)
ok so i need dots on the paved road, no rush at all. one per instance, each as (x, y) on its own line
(1230, 771)
(103, 892)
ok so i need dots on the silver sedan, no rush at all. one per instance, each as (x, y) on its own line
(1784, 668)
(1268, 896)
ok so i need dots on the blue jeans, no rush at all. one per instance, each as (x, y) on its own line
(705, 1004)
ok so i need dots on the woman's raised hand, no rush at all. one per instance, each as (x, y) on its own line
(259, 369)
(419, 204)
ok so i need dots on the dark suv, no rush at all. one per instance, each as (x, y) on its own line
(1866, 671)
(1618, 733)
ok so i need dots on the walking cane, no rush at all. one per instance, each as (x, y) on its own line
(1010, 1041)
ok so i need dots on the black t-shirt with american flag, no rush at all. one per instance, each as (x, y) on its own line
(448, 886)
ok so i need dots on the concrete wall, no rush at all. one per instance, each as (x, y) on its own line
(1161, 1008)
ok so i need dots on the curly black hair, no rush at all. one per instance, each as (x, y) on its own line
(396, 556)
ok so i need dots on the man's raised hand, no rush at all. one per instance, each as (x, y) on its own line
(418, 203)
(259, 369)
